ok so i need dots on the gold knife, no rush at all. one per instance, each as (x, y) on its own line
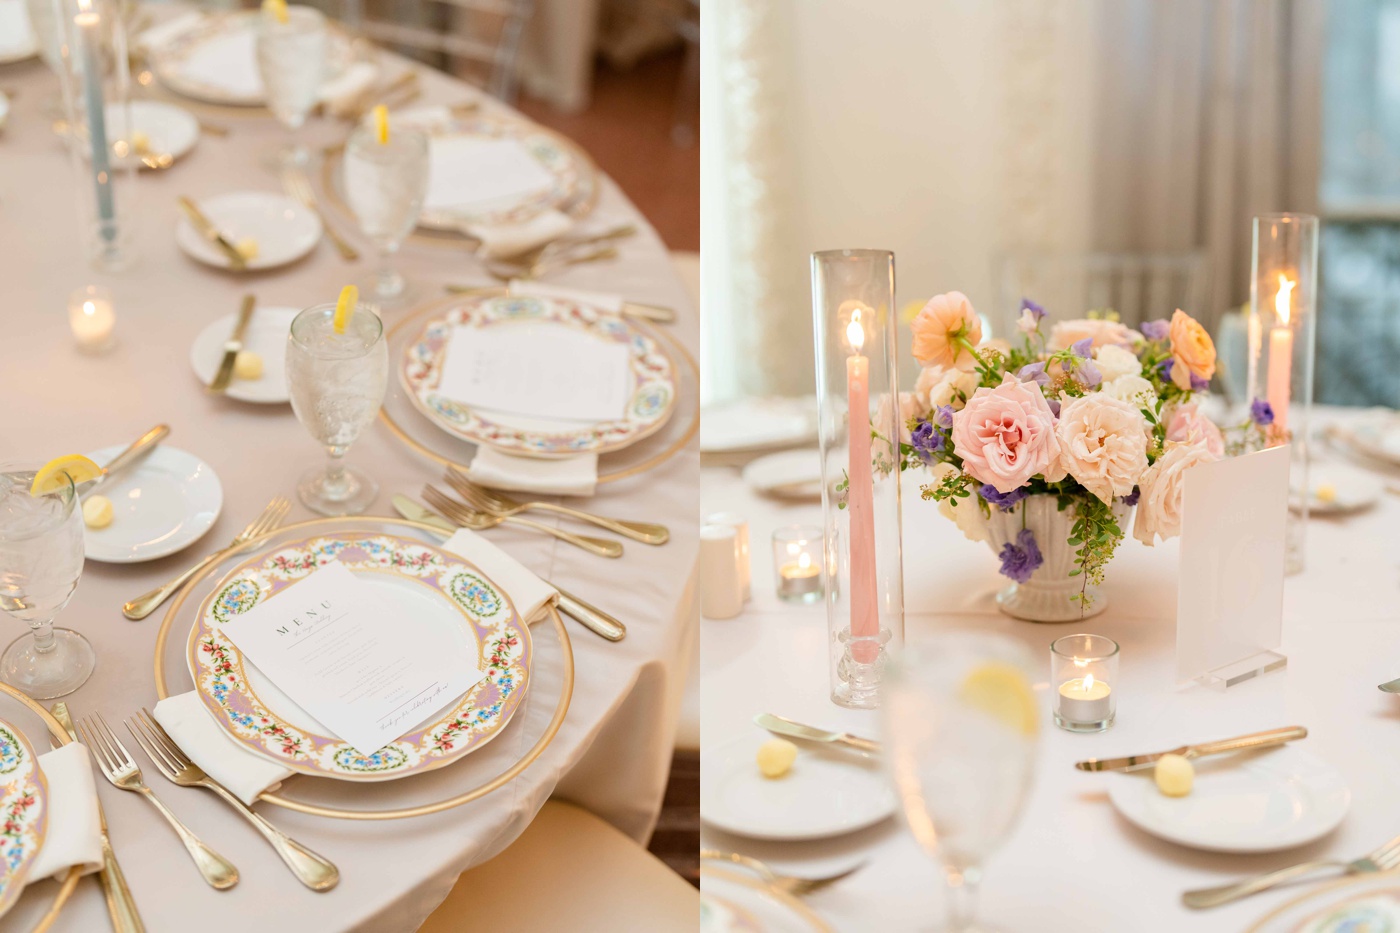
(233, 345)
(781, 725)
(121, 907)
(1253, 740)
(206, 229)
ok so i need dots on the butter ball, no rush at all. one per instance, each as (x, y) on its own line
(1326, 492)
(1174, 775)
(247, 248)
(247, 365)
(775, 757)
(140, 141)
(97, 511)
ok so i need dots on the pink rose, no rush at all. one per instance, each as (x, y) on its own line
(1159, 506)
(1188, 426)
(1103, 444)
(1103, 333)
(1006, 435)
(941, 326)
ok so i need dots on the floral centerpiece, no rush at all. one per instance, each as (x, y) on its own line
(1044, 446)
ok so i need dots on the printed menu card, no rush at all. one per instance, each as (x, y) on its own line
(351, 655)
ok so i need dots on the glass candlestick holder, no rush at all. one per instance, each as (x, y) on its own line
(1084, 673)
(797, 563)
(858, 419)
(1282, 346)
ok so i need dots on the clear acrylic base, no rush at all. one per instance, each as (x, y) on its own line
(49, 674)
(351, 497)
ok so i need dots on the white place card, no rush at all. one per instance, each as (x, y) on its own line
(1229, 610)
(551, 372)
(470, 173)
(345, 652)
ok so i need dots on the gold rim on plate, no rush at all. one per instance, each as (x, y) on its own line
(769, 891)
(433, 534)
(678, 353)
(1317, 893)
(62, 738)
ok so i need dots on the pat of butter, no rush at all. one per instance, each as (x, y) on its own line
(1174, 775)
(247, 248)
(140, 141)
(247, 365)
(775, 757)
(1326, 492)
(97, 511)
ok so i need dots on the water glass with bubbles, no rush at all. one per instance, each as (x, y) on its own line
(385, 184)
(292, 62)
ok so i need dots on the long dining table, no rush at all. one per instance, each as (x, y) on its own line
(613, 750)
(1072, 863)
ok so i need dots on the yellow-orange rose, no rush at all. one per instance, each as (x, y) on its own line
(1193, 352)
(940, 328)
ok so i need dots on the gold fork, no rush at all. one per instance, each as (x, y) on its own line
(507, 272)
(498, 504)
(271, 517)
(312, 870)
(1382, 859)
(120, 769)
(784, 883)
(461, 515)
(298, 186)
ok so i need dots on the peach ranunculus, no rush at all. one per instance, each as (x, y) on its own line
(1159, 505)
(1006, 435)
(939, 329)
(938, 386)
(1186, 425)
(1103, 333)
(1193, 352)
(1103, 444)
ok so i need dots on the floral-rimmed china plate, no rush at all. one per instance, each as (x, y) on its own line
(1368, 903)
(471, 609)
(651, 400)
(24, 816)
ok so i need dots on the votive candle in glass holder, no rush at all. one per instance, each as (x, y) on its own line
(1084, 673)
(797, 563)
(93, 319)
(741, 529)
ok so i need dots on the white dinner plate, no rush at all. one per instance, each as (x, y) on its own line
(285, 230)
(828, 792)
(758, 424)
(169, 129)
(161, 505)
(1355, 489)
(1373, 436)
(1263, 801)
(266, 336)
(733, 902)
(17, 39)
(791, 474)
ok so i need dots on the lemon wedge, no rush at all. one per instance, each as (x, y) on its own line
(381, 123)
(59, 472)
(1002, 691)
(277, 8)
(345, 306)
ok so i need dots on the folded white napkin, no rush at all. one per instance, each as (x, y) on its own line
(571, 476)
(193, 728)
(75, 830)
(348, 90)
(603, 301)
(164, 33)
(247, 774)
(502, 241)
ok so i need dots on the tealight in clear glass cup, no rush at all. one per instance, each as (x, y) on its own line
(1084, 673)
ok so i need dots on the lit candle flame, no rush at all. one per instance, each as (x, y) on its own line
(1283, 300)
(1088, 683)
(854, 332)
(792, 548)
(89, 309)
(804, 561)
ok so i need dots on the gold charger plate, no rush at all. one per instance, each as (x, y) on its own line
(414, 429)
(402, 793)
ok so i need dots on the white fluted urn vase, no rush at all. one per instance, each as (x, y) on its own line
(1051, 594)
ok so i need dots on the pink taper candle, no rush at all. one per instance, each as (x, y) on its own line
(1281, 355)
(865, 616)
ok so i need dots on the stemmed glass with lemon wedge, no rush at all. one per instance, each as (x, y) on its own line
(386, 179)
(291, 50)
(41, 559)
(960, 725)
(337, 365)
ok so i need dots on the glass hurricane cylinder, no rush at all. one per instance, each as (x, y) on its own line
(859, 419)
(1282, 338)
(95, 80)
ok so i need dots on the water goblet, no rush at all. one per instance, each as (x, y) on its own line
(385, 184)
(41, 559)
(292, 62)
(336, 381)
(960, 722)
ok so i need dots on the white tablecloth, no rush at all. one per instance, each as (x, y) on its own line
(613, 751)
(1072, 864)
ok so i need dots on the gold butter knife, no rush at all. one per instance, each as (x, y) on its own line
(1239, 743)
(781, 725)
(120, 905)
(234, 345)
(205, 227)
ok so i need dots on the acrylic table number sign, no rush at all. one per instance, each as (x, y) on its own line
(1229, 612)
(859, 430)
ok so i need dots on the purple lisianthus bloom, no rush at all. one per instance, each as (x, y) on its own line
(1261, 412)
(943, 416)
(1021, 559)
(1131, 498)
(1034, 372)
(1164, 369)
(928, 440)
(1082, 348)
(1002, 500)
(1088, 374)
(1037, 311)
(1198, 384)
(1054, 404)
(1155, 330)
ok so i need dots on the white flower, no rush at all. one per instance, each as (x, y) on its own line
(909, 407)
(1028, 323)
(1114, 361)
(1159, 506)
(966, 513)
(1103, 444)
(1134, 390)
(939, 387)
